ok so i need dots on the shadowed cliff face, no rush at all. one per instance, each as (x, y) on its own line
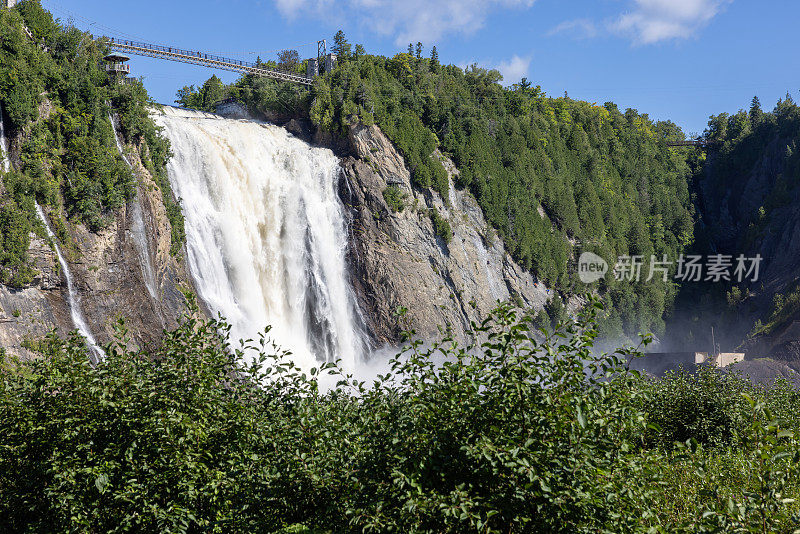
(398, 260)
(754, 211)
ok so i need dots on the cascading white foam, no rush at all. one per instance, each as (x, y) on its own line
(138, 230)
(266, 233)
(73, 299)
(4, 143)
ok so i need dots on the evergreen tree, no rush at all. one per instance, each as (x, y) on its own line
(340, 46)
(410, 49)
(755, 111)
(212, 92)
(359, 52)
(434, 60)
(419, 50)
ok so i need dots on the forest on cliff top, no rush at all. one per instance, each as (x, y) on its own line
(549, 173)
(554, 176)
(57, 101)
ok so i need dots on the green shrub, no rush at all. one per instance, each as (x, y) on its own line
(441, 226)
(515, 434)
(394, 198)
(706, 406)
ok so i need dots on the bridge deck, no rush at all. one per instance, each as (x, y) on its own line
(690, 142)
(206, 60)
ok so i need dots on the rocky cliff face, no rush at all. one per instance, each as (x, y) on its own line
(730, 211)
(108, 271)
(398, 260)
(27, 315)
(111, 273)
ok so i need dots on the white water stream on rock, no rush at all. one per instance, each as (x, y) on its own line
(73, 299)
(138, 229)
(4, 143)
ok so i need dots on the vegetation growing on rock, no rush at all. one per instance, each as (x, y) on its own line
(546, 171)
(394, 198)
(441, 226)
(57, 98)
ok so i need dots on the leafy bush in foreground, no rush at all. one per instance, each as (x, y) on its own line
(519, 434)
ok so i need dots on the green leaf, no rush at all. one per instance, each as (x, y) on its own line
(581, 417)
(101, 482)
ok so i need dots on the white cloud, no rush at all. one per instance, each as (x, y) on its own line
(291, 9)
(649, 21)
(579, 28)
(652, 21)
(409, 21)
(514, 69)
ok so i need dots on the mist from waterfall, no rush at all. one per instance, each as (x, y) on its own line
(266, 233)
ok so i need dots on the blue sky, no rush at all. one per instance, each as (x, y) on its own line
(681, 60)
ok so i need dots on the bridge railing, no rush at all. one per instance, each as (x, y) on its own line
(688, 142)
(205, 57)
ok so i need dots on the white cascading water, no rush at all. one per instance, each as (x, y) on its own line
(4, 143)
(138, 229)
(73, 299)
(266, 233)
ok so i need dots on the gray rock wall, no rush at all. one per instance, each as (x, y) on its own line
(398, 261)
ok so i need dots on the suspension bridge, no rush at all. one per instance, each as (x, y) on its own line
(212, 61)
(699, 142)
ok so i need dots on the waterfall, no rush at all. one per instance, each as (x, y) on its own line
(266, 233)
(138, 230)
(4, 143)
(73, 299)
